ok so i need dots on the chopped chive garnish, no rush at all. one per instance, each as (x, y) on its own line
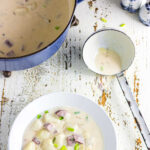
(77, 112)
(46, 112)
(76, 147)
(61, 118)
(63, 147)
(101, 68)
(70, 129)
(122, 25)
(57, 27)
(54, 139)
(55, 145)
(39, 116)
(103, 19)
(86, 117)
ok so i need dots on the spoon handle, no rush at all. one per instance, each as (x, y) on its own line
(134, 109)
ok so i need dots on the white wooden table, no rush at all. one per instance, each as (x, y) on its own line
(67, 72)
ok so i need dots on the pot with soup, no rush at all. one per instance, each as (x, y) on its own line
(32, 31)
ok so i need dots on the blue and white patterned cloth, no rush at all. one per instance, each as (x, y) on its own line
(131, 5)
(147, 5)
(144, 14)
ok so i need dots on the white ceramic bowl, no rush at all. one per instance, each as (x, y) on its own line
(50, 101)
(109, 39)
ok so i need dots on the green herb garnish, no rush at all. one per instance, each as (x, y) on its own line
(39, 116)
(44, 6)
(57, 27)
(77, 112)
(54, 139)
(122, 25)
(63, 147)
(76, 147)
(101, 68)
(55, 145)
(61, 118)
(70, 129)
(86, 117)
(46, 112)
(104, 20)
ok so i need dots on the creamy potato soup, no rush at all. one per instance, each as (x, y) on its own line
(108, 62)
(63, 129)
(27, 26)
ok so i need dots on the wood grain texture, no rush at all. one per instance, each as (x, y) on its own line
(67, 72)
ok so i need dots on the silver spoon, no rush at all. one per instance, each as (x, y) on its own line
(121, 43)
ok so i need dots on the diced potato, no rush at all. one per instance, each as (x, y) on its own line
(82, 147)
(67, 117)
(48, 145)
(32, 6)
(60, 140)
(89, 147)
(21, 11)
(86, 134)
(60, 126)
(43, 134)
(37, 125)
(69, 148)
(90, 141)
(38, 148)
(30, 146)
(80, 119)
(47, 118)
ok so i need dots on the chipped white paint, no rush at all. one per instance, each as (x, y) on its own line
(24, 86)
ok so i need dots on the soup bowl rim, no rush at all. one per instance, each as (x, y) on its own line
(63, 94)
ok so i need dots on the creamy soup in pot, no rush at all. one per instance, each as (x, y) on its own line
(64, 128)
(26, 26)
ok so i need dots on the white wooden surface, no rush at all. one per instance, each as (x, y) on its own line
(67, 72)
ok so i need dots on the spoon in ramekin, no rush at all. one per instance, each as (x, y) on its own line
(122, 45)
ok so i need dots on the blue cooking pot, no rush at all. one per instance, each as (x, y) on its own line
(20, 63)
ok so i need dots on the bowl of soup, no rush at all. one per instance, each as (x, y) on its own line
(62, 121)
(31, 31)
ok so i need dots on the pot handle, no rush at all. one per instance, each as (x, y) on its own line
(78, 1)
(134, 109)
